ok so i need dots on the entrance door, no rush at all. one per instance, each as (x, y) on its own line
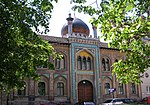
(85, 91)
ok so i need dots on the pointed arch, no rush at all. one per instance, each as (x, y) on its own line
(41, 87)
(107, 84)
(60, 86)
(85, 91)
(84, 60)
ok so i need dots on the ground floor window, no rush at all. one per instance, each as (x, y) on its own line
(60, 89)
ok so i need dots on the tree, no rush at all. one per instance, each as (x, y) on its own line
(21, 48)
(124, 23)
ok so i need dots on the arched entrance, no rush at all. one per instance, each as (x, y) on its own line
(85, 91)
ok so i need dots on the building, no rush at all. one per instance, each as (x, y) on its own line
(145, 85)
(83, 73)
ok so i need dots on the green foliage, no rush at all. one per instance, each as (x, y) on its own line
(123, 23)
(21, 49)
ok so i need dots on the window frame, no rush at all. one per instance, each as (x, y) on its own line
(60, 89)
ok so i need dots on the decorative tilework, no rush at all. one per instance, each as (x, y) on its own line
(56, 75)
(74, 45)
(85, 72)
(47, 75)
(63, 75)
(107, 76)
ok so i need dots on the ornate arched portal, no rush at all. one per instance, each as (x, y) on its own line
(85, 91)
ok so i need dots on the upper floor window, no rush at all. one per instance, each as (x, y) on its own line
(60, 63)
(84, 63)
(106, 88)
(120, 88)
(79, 63)
(89, 63)
(41, 88)
(57, 63)
(60, 89)
(105, 64)
(133, 88)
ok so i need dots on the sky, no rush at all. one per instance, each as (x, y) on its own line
(60, 13)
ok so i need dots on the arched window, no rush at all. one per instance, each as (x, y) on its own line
(103, 65)
(106, 88)
(41, 88)
(107, 65)
(84, 67)
(120, 88)
(60, 89)
(79, 61)
(22, 91)
(89, 63)
(133, 88)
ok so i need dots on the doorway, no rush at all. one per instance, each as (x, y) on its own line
(85, 91)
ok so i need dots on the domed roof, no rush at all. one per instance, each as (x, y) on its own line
(78, 26)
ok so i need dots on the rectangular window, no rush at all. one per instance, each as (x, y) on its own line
(120, 89)
(60, 89)
(133, 88)
(147, 89)
(106, 88)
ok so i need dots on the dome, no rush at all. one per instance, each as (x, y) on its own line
(78, 26)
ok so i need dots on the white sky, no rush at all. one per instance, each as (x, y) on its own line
(59, 15)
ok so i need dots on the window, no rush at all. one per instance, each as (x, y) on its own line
(84, 63)
(60, 89)
(89, 63)
(107, 65)
(133, 88)
(106, 88)
(79, 63)
(103, 65)
(147, 89)
(120, 88)
(60, 63)
(57, 63)
(22, 91)
(41, 88)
